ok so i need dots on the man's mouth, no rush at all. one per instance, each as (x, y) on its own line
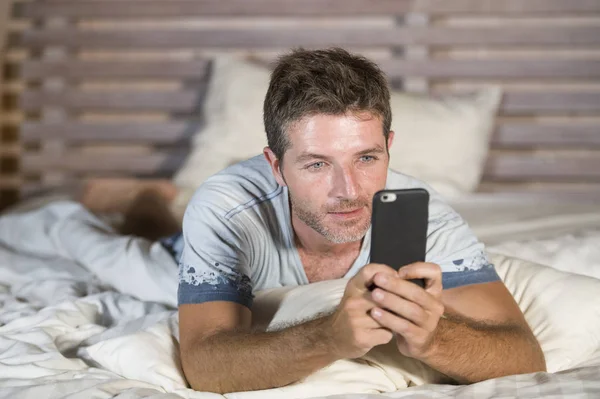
(347, 213)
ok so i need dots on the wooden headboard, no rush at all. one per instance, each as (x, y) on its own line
(114, 88)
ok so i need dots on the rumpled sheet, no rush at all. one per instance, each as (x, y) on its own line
(558, 233)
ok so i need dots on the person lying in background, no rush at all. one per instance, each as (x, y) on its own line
(300, 213)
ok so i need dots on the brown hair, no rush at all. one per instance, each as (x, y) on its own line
(329, 81)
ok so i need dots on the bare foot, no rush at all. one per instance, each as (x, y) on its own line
(118, 194)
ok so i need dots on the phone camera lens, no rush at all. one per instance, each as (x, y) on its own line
(388, 197)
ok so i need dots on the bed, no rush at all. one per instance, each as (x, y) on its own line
(85, 316)
(151, 89)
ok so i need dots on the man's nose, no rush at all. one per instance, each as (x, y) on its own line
(345, 184)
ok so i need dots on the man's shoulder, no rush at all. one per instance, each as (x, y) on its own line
(241, 185)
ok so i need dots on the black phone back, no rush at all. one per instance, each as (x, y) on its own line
(399, 227)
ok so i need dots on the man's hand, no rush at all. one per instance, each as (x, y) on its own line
(353, 331)
(408, 310)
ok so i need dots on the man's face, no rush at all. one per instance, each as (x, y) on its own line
(334, 166)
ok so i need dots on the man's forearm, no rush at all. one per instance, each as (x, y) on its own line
(236, 361)
(469, 351)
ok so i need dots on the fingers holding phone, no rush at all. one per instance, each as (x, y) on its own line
(430, 273)
(407, 309)
(353, 330)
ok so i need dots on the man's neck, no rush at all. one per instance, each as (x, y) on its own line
(312, 243)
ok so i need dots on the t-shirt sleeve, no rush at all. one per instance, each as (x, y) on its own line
(452, 245)
(213, 265)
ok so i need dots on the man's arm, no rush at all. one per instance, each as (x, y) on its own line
(220, 353)
(233, 358)
(484, 335)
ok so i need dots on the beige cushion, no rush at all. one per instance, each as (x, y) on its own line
(442, 141)
(563, 310)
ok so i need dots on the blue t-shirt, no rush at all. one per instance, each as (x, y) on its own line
(238, 238)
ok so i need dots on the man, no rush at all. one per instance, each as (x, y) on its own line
(301, 214)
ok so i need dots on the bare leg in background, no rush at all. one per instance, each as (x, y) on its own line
(145, 205)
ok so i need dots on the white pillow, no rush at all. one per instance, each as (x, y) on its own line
(563, 310)
(152, 353)
(441, 141)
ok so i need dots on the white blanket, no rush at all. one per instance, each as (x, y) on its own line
(64, 287)
(497, 218)
(557, 233)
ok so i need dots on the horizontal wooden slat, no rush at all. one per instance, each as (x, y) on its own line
(156, 132)
(560, 135)
(508, 7)
(473, 69)
(529, 167)
(189, 100)
(311, 37)
(168, 101)
(165, 162)
(73, 69)
(551, 102)
(178, 8)
(563, 191)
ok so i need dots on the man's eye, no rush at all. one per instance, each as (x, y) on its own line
(367, 158)
(316, 165)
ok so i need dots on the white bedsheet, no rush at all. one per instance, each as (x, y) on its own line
(558, 233)
(52, 304)
(497, 218)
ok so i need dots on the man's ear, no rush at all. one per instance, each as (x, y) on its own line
(275, 165)
(390, 139)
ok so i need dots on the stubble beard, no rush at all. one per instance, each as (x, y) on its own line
(337, 233)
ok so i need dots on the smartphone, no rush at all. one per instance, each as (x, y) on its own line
(399, 228)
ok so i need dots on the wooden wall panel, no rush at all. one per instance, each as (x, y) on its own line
(244, 8)
(8, 148)
(259, 37)
(112, 88)
(548, 131)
